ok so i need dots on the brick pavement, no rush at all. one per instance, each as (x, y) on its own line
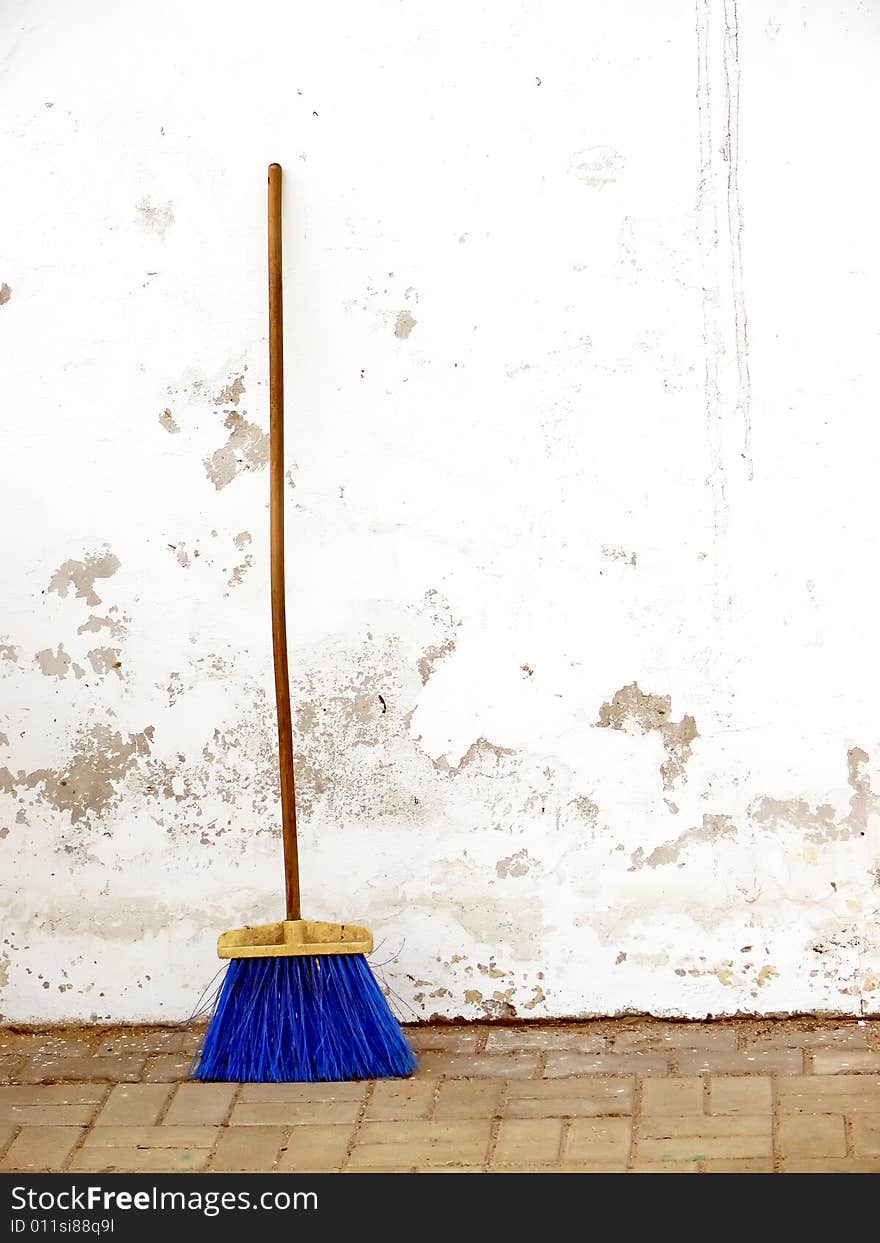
(629, 1095)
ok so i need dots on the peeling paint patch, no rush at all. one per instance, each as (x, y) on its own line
(246, 449)
(519, 864)
(232, 393)
(105, 660)
(88, 785)
(431, 656)
(821, 823)
(631, 706)
(53, 664)
(478, 751)
(167, 420)
(83, 574)
(9, 651)
(712, 828)
(5, 294)
(96, 624)
(404, 325)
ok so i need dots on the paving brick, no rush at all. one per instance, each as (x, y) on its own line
(167, 1068)
(660, 1036)
(395, 1098)
(41, 1148)
(748, 1165)
(592, 1167)
(665, 1167)
(47, 1044)
(812, 1135)
(200, 1104)
(562, 1098)
(598, 1139)
(467, 1098)
(749, 1061)
(401, 1145)
(480, 1065)
(9, 1065)
(453, 1039)
(151, 1137)
(291, 1113)
(740, 1094)
(866, 1135)
(303, 1093)
(133, 1104)
(636, 1062)
(830, 1094)
(55, 1105)
(506, 1039)
(706, 1138)
(845, 1061)
(140, 1160)
(314, 1148)
(785, 1037)
(248, 1149)
(532, 1140)
(828, 1165)
(673, 1097)
(124, 1069)
(141, 1040)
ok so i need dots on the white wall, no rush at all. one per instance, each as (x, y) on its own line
(582, 367)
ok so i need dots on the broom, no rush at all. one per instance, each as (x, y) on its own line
(298, 1001)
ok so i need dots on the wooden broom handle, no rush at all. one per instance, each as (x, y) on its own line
(276, 523)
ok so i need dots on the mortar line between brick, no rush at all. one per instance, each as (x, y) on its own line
(358, 1123)
(563, 1140)
(636, 1135)
(774, 1123)
(233, 1100)
(435, 1097)
(707, 1094)
(4, 1148)
(480, 1046)
(495, 1126)
(848, 1135)
(163, 1110)
(77, 1147)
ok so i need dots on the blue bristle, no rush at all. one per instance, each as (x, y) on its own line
(302, 1019)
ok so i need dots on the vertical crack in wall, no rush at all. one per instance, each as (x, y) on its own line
(735, 225)
(727, 384)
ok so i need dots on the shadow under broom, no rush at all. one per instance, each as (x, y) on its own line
(299, 1002)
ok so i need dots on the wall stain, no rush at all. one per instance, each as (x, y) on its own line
(83, 574)
(246, 449)
(597, 166)
(631, 706)
(155, 217)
